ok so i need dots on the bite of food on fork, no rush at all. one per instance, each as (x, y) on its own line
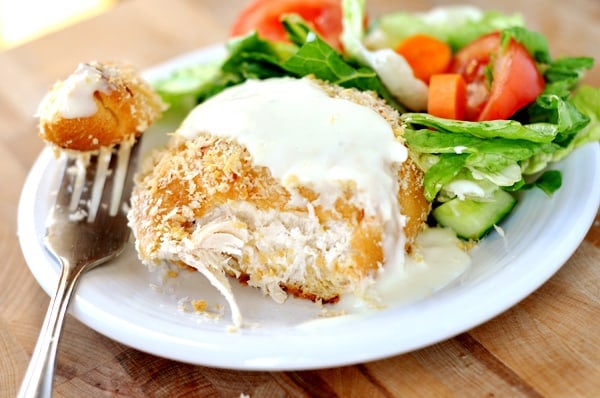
(98, 105)
(93, 119)
(98, 109)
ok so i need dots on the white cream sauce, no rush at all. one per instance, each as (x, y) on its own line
(305, 136)
(438, 261)
(74, 97)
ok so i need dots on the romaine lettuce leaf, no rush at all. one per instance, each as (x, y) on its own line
(570, 69)
(441, 173)
(538, 132)
(494, 159)
(587, 100)
(562, 113)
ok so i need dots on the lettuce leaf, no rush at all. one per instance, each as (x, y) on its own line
(488, 158)
(537, 132)
(549, 182)
(570, 69)
(253, 57)
(479, 151)
(317, 58)
(535, 43)
(184, 87)
(587, 101)
(442, 173)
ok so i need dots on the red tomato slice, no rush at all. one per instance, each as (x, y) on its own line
(324, 16)
(516, 80)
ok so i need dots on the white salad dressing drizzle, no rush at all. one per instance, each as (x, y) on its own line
(78, 170)
(74, 97)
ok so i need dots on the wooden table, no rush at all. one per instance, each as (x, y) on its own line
(548, 345)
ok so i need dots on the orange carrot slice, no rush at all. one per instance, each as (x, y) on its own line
(447, 96)
(426, 55)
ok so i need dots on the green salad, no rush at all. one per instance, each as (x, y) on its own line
(475, 165)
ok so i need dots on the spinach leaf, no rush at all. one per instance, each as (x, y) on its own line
(317, 58)
(549, 182)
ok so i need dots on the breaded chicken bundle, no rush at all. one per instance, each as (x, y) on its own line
(98, 105)
(289, 185)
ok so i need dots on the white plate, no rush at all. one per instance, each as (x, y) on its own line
(118, 301)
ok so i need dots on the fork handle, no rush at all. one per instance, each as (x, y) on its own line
(37, 381)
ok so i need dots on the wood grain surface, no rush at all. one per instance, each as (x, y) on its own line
(546, 346)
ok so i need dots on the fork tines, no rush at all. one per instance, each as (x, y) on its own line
(95, 180)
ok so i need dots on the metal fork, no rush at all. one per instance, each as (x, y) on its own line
(81, 237)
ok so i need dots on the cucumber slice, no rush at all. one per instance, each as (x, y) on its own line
(472, 219)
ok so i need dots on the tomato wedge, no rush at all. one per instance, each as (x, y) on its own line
(516, 80)
(324, 16)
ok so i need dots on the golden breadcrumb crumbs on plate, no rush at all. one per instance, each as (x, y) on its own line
(199, 305)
